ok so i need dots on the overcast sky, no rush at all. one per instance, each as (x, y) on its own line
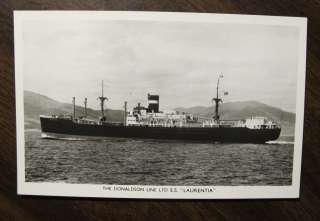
(179, 61)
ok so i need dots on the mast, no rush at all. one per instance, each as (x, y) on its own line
(125, 113)
(102, 99)
(85, 107)
(217, 100)
(74, 107)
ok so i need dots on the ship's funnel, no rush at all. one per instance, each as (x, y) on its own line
(153, 103)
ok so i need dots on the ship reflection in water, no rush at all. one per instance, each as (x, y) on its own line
(157, 162)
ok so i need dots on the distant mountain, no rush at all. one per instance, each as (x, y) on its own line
(245, 109)
(36, 104)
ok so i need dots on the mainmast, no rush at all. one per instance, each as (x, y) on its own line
(102, 99)
(217, 100)
(74, 107)
(125, 113)
(85, 107)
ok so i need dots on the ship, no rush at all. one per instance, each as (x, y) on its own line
(149, 122)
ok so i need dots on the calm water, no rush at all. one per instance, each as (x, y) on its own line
(154, 162)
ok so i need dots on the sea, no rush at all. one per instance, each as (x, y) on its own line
(121, 161)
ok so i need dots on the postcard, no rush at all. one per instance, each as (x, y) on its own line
(159, 104)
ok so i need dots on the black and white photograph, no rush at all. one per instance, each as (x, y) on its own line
(159, 105)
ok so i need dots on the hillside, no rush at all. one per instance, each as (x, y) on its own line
(36, 104)
(245, 109)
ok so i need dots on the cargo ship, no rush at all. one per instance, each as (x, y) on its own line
(151, 123)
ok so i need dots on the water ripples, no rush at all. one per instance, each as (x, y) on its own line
(156, 162)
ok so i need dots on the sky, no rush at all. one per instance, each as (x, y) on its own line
(180, 61)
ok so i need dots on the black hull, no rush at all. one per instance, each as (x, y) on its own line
(220, 134)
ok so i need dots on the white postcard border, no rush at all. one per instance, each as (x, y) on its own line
(168, 192)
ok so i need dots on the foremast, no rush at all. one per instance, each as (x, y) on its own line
(217, 101)
(102, 99)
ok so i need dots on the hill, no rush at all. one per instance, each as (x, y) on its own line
(245, 109)
(36, 104)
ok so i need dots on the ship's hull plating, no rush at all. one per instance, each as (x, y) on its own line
(67, 127)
